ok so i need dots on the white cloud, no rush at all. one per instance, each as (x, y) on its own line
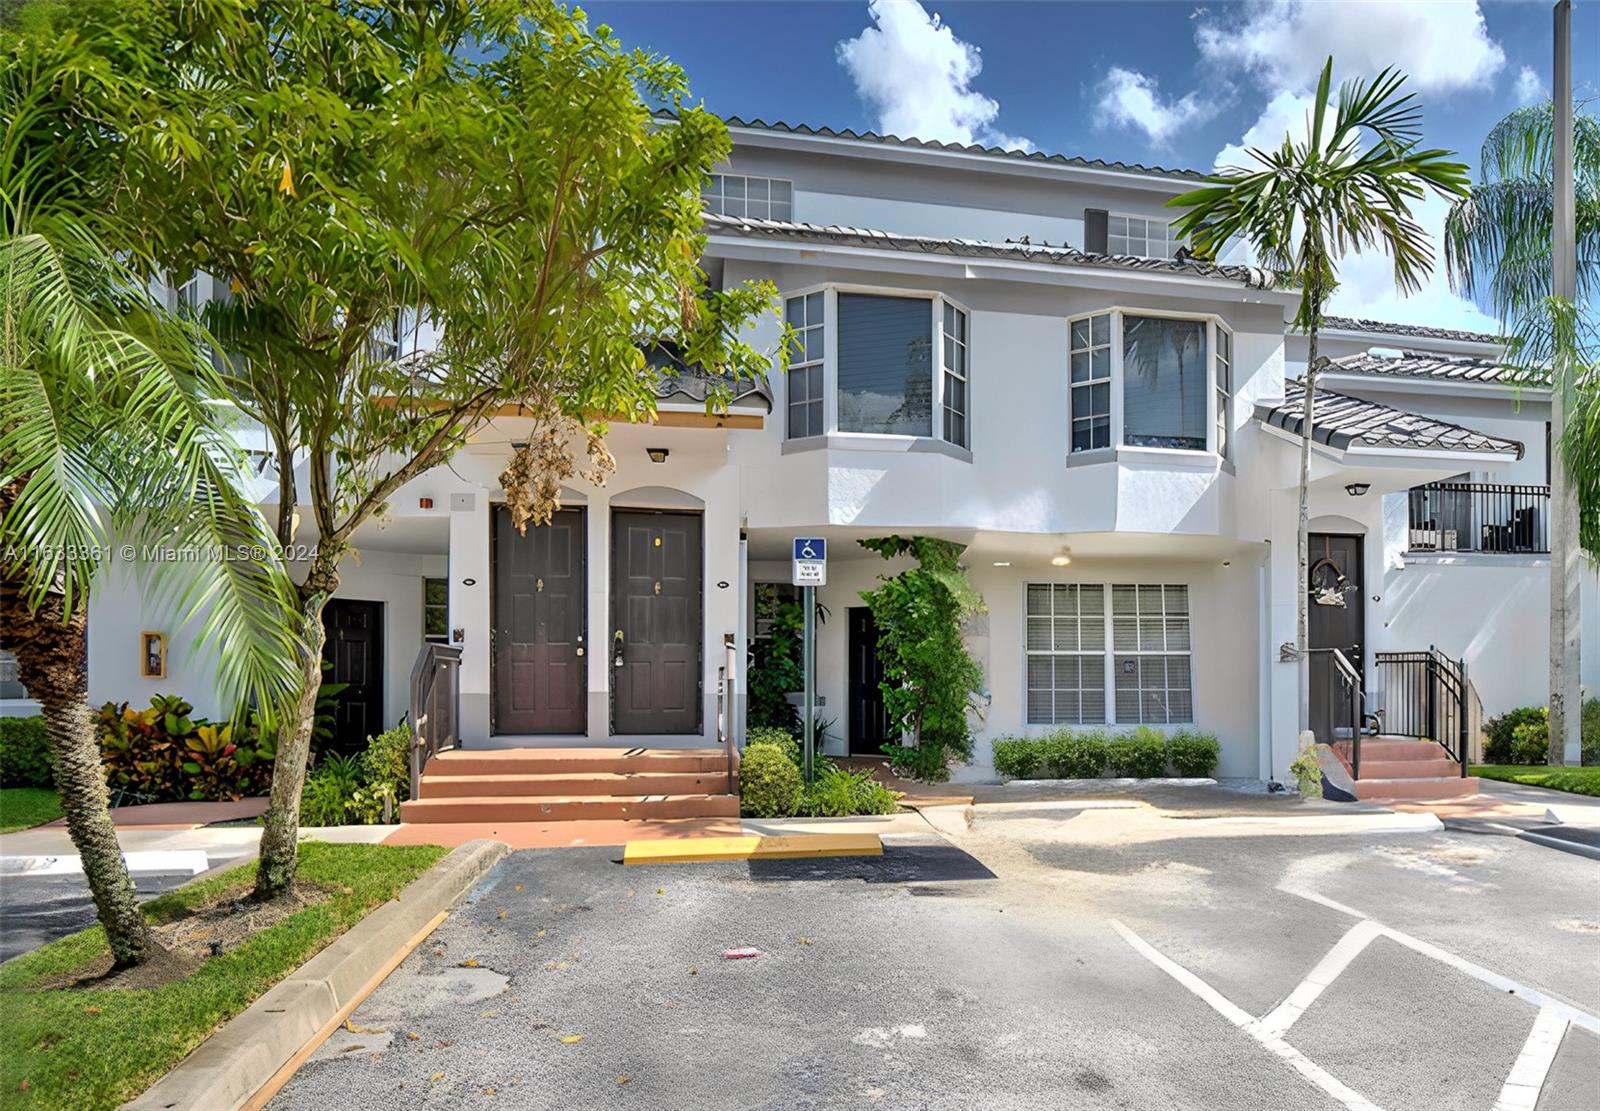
(1530, 87)
(1286, 113)
(916, 75)
(1441, 46)
(1131, 99)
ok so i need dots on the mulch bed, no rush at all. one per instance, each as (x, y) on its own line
(216, 926)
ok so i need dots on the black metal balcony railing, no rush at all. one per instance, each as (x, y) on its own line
(1480, 517)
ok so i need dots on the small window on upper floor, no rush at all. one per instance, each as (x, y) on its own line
(758, 198)
(1140, 237)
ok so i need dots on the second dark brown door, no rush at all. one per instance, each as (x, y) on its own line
(539, 657)
(353, 646)
(1336, 619)
(655, 615)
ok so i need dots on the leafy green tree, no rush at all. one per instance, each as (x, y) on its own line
(1347, 186)
(108, 437)
(931, 683)
(490, 172)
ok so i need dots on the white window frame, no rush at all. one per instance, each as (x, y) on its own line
(1118, 313)
(1220, 336)
(436, 638)
(1052, 653)
(714, 196)
(1171, 243)
(1140, 615)
(1109, 651)
(830, 371)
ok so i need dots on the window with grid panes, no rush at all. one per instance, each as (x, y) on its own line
(758, 198)
(1066, 654)
(804, 394)
(1140, 237)
(1224, 390)
(1150, 654)
(1090, 393)
(955, 376)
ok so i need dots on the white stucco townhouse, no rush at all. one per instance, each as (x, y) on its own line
(1006, 350)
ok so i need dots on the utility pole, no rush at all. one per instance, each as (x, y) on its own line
(1565, 572)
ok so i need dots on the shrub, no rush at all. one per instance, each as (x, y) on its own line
(837, 793)
(1499, 733)
(1307, 773)
(1530, 743)
(1141, 754)
(1070, 755)
(162, 754)
(780, 738)
(1591, 733)
(929, 763)
(329, 790)
(386, 763)
(1193, 754)
(1018, 757)
(25, 759)
(769, 783)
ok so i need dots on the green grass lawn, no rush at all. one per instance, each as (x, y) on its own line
(26, 807)
(1578, 781)
(80, 1048)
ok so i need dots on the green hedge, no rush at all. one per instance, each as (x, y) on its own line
(1142, 753)
(25, 759)
(1522, 735)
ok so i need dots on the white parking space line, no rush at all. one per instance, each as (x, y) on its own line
(1539, 999)
(1283, 1016)
(192, 861)
(1346, 1096)
(1522, 1087)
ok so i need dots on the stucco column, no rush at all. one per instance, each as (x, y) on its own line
(1282, 688)
(469, 607)
(597, 615)
(721, 496)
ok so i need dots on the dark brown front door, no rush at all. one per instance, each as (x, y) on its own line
(353, 647)
(1337, 619)
(539, 657)
(655, 614)
(869, 722)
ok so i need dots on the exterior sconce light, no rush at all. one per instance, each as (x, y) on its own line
(1356, 489)
(657, 454)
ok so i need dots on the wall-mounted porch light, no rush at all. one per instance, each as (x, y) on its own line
(1356, 489)
(657, 454)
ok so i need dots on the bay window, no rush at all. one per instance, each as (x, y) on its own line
(878, 364)
(1149, 380)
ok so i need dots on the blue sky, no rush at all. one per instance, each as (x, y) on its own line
(1168, 83)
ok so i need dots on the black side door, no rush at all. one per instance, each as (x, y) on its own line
(869, 722)
(656, 618)
(353, 645)
(1336, 619)
(540, 682)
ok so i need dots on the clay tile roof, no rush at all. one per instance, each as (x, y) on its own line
(1427, 364)
(1252, 277)
(1342, 421)
(1416, 331)
(681, 381)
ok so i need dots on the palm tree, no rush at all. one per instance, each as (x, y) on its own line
(108, 437)
(1498, 246)
(1348, 186)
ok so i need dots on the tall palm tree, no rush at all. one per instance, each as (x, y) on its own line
(1498, 246)
(108, 438)
(1347, 186)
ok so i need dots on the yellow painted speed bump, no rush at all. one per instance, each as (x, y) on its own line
(687, 850)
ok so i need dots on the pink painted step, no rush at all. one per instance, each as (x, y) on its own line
(575, 783)
(1426, 768)
(1414, 790)
(585, 761)
(559, 808)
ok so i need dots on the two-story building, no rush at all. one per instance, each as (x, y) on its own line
(1006, 350)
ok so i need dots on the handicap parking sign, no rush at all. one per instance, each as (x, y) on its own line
(810, 561)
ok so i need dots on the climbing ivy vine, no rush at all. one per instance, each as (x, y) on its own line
(931, 682)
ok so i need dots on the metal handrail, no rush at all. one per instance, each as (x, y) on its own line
(1479, 517)
(1351, 678)
(1426, 697)
(725, 708)
(435, 711)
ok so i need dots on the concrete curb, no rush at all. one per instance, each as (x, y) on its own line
(229, 1067)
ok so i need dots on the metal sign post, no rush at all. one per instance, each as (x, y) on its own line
(809, 572)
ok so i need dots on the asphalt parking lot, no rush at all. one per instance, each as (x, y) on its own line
(1038, 959)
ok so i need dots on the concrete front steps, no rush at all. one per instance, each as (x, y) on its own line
(573, 784)
(1398, 769)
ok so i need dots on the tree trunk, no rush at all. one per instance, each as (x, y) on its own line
(52, 663)
(1303, 534)
(280, 835)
